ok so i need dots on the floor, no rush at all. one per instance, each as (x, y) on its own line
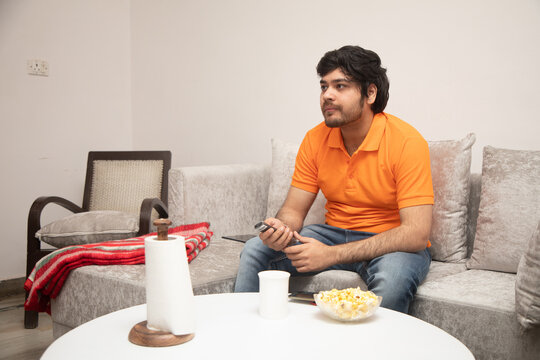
(16, 342)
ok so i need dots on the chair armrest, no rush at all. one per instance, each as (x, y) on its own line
(145, 219)
(231, 197)
(33, 247)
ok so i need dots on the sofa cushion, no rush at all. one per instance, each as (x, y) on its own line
(440, 269)
(474, 204)
(509, 210)
(89, 227)
(450, 169)
(486, 289)
(528, 284)
(283, 160)
(477, 307)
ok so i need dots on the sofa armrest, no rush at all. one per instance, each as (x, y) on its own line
(231, 197)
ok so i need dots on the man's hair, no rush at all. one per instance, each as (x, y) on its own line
(363, 67)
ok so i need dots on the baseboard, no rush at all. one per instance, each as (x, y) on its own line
(11, 287)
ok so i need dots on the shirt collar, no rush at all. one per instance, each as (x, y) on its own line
(373, 137)
(375, 133)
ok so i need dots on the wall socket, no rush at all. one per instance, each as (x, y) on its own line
(37, 67)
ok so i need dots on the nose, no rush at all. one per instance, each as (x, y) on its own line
(328, 94)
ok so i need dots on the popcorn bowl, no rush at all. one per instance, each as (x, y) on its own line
(351, 304)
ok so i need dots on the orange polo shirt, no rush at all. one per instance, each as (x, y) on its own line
(364, 192)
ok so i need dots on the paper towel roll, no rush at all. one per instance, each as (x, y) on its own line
(169, 295)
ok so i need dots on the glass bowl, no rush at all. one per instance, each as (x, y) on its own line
(351, 304)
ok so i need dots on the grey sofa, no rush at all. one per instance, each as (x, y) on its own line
(476, 306)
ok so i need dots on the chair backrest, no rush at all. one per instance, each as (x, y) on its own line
(120, 180)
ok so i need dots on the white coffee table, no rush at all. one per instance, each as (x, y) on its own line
(229, 327)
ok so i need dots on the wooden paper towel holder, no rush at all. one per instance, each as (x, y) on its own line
(140, 334)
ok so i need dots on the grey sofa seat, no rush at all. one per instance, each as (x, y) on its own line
(93, 291)
(439, 269)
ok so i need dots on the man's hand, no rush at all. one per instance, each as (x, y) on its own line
(292, 213)
(310, 255)
(276, 239)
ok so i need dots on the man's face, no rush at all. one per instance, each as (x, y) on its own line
(341, 99)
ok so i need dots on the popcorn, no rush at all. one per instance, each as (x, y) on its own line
(349, 303)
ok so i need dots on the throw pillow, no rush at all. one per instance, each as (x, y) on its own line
(89, 227)
(509, 211)
(450, 170)
(528, 284)
(283, 160)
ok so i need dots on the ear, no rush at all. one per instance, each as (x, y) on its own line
(371, 94)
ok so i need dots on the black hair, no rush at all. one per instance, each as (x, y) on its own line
(363, 67)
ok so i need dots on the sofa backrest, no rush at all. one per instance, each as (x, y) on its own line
(234, 197)
(450, 168)
(231, 197)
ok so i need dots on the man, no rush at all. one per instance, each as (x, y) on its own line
(374, 171)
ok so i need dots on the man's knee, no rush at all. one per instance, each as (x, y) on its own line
(396, 290)
(396, 277)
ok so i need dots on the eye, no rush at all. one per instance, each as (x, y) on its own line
(341, 86)
(324, 88)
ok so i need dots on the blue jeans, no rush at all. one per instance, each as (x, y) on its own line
(394, 276)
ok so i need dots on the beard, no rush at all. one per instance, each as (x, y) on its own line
(335, 120)
(339, 117)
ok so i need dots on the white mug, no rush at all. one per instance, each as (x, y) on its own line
(274, 294)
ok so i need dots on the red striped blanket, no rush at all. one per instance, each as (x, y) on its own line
(50, 273)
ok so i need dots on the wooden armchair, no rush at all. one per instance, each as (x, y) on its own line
(133, 182)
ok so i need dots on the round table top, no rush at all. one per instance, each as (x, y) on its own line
(229, 326)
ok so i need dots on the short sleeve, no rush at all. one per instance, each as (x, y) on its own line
(413, 174)
(305, 169)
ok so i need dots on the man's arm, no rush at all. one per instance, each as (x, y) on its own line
(288, 219)
(411, 236)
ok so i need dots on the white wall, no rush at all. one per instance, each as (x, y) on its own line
(214, 81)
(48, 124)
(222, 78)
